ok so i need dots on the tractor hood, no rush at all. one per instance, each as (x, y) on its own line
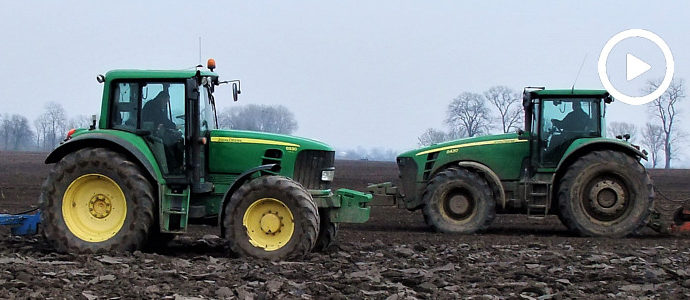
(264, 138)
(462, 143)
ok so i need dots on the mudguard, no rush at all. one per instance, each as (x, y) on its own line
(133, 146)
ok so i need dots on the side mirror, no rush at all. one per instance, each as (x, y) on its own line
(235, 91)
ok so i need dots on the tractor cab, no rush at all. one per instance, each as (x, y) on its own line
(556, 118)
(173, 112)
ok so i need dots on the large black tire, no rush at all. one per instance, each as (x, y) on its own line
(458, 201)
(292, 196)
(328, 232)
(605, 193)
(79, 168)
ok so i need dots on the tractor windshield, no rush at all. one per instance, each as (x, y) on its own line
(207, 107)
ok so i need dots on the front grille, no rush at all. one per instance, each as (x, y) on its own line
(408, 177)
(308, 168)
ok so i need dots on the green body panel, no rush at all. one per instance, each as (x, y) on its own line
(231, 152)
(234, 151)
(490, 150)
(135, 140)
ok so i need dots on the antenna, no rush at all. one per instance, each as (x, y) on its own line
(572, 89)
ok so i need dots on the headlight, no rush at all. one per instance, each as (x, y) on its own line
(327, 175)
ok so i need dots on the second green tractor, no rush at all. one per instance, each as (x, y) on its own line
(562, 164)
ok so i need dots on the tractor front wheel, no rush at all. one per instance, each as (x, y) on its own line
(271, 217)
(458, 201)
(95, 200)
(605, 193)
(327, 233)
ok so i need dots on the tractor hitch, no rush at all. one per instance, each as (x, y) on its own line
(386, 194)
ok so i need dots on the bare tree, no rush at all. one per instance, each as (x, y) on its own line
(433, 136)
(621, 128)
(56, 118)
(665, 110)
(469, 114)
(22, 135)
(276, 119)
(653, 139)
(79, 121)
(16, 133)
(508, 104)
(42, 124)
(6, 131)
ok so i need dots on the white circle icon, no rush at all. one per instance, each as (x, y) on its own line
(635, 67)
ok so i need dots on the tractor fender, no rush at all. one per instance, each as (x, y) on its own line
(491, 176)
(580, 147)
(239, 181)
(101, 140)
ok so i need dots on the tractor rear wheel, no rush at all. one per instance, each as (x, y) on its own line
(271, 217)
(605, 193)
(95, 200)
(458, 201)
(327, 233)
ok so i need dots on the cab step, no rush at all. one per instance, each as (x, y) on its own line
(174, 210)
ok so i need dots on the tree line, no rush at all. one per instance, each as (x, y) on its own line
(17, 133)
(45, 133)
(499, 109)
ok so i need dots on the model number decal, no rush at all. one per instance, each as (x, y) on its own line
(453, 151)
(220, 139)
(291, 149)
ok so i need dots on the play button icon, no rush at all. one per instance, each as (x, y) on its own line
(634, 67)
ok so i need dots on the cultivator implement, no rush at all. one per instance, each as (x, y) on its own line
(681, 222)
(21, 224)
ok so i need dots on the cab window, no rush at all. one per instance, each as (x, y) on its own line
(562, 122)
(125, 108)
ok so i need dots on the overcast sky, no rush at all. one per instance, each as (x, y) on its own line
(359, 73)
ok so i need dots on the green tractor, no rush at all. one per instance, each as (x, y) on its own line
(561, 164)
(157, 162)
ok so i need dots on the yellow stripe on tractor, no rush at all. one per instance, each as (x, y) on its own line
(220, 139)
(494, 142)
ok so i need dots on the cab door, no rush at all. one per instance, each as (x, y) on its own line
(199, 126)
(154, 110)
(562, 121)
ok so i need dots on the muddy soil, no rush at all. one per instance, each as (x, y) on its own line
(394, 256)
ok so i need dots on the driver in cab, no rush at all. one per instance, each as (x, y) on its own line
(156, 111)
(576, 120)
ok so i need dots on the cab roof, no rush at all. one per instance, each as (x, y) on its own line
(154, 74)
(570, 93)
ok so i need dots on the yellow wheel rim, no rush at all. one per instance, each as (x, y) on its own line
(94, 208)
(269, 224)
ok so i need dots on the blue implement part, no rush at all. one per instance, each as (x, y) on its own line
(22, 224)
